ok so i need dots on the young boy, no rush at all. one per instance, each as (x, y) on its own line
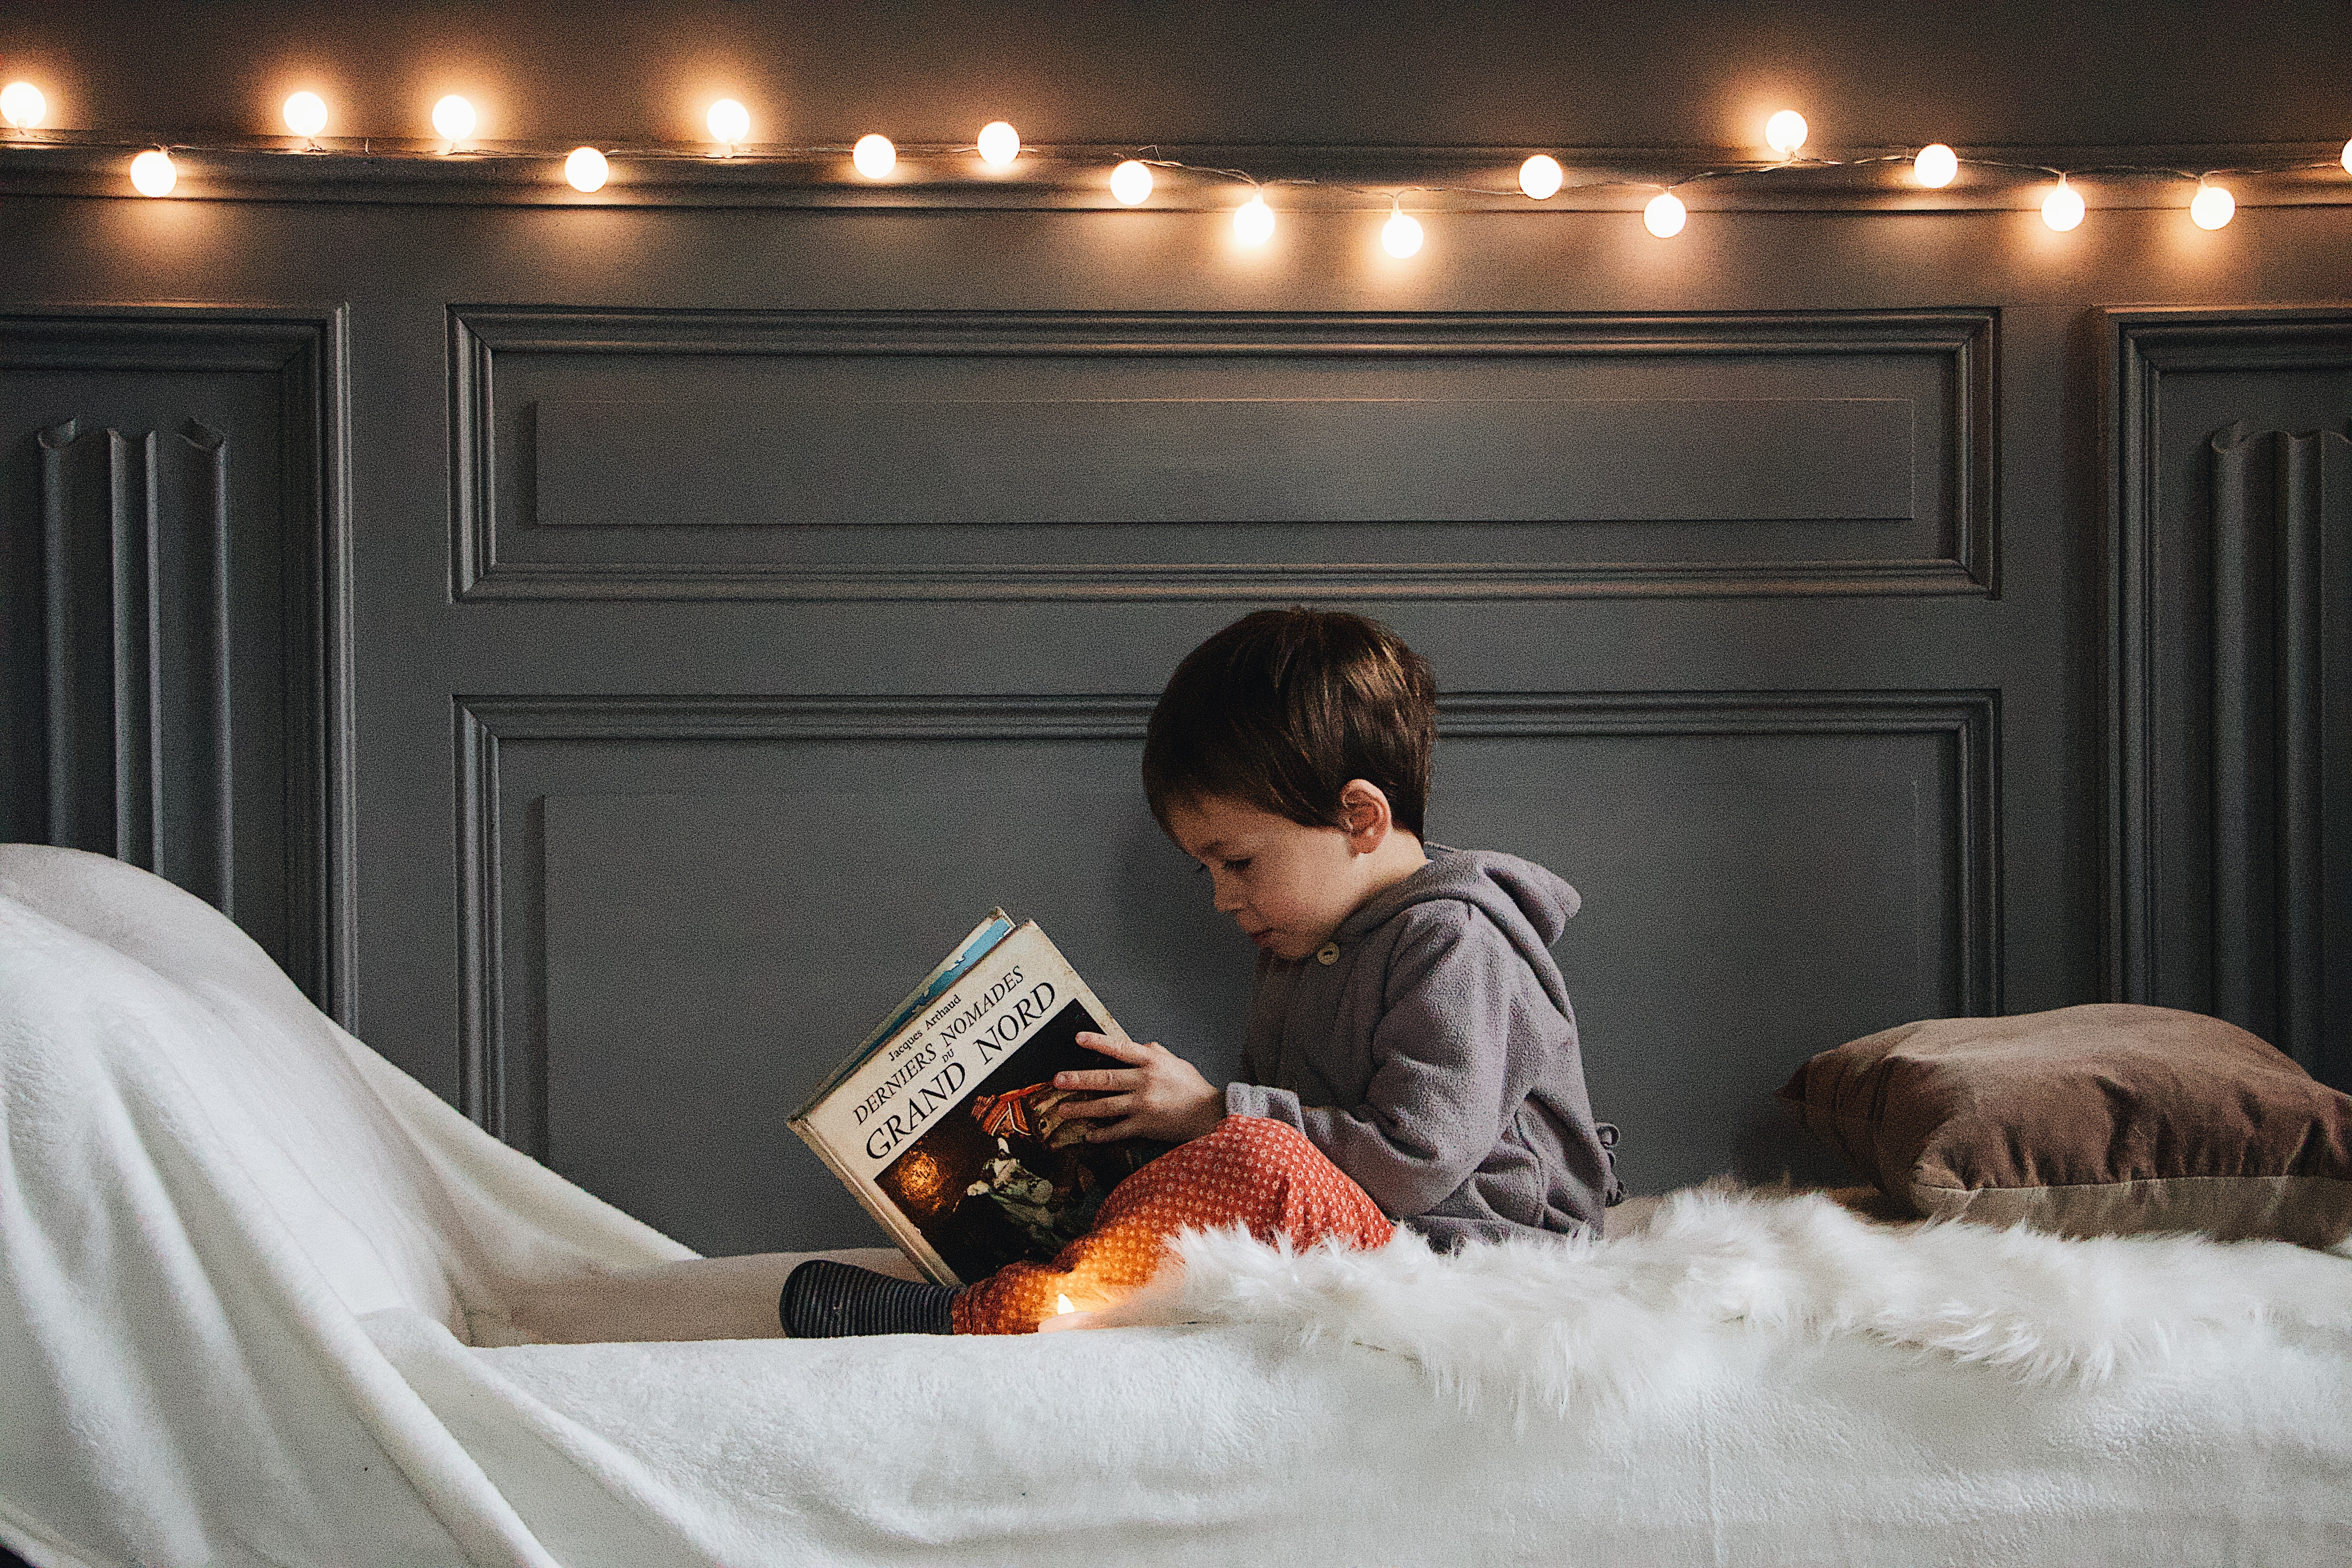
(1412, 1056)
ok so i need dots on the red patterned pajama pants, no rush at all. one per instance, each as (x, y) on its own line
(1247, 1171)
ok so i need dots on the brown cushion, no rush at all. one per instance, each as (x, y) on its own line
(2095, 1121)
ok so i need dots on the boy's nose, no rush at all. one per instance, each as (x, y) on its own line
(1223, 897)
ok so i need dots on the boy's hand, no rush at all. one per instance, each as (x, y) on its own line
(1158, 1095)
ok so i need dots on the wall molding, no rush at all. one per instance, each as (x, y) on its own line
(1964, 340)
(2271, 701)
(154, 477)
(1970, 720)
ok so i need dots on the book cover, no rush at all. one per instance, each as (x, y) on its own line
(945, 1123)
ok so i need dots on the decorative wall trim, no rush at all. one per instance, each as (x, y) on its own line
(1970, 719)
(1965, 342)
(135, 590)
(2278, 500)
(167, 537)
(2261, 674)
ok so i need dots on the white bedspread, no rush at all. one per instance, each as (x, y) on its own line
(240, 1254)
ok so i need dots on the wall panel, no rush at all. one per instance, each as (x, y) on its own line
(171, 592)
(682, 909)
(956, 455)
(2231, 729)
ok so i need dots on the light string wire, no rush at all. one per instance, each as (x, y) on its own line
(749, 154)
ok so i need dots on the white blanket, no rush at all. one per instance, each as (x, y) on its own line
(242, 1259)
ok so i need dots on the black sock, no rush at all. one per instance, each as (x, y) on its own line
(824, 1299)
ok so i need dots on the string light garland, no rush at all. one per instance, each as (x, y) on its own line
(1253, 220)
(1936, 167)
(2063, 209)
(306, 115)
(730, 123)
(1786, 131)
(1401, 236)
(874, 155)
(23, 107)
(2213, 206)
(586, 170)
(998, 144)
(454, 120)
(1133, 181)
(153, 173)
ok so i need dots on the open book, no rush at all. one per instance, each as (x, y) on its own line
(945, 1122)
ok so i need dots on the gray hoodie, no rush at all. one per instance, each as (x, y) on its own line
(1430, 1051)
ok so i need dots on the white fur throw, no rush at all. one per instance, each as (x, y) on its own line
(1553, 1325)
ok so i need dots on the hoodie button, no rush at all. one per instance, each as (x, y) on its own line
(1328, 953)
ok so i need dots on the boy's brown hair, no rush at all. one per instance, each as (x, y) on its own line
(1282, 707)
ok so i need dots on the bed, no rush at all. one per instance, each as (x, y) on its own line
(254, 1292)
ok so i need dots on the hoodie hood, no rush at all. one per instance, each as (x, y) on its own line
(1529, 905)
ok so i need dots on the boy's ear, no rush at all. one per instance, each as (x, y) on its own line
(1364, 806)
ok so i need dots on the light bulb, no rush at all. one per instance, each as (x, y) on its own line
(1253, 221)
(1665, 215)
(998, 144)
(1936, 165)
(306, 114)
(452, 119)
(2062, 209)
(586, 169)
(22, 105)
(2213, 207)
(1401, 236)
(730, 123)
(1131, 182)
(874, 155)
(2346, 160)
(1540, 177)
(1785, 131)
(152, 175)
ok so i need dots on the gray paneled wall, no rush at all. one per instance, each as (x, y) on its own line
(722, 639)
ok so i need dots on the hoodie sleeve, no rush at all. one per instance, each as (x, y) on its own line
(1436, 1105)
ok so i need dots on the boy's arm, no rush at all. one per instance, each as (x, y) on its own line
(1440, 1090)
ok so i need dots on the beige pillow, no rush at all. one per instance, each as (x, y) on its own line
(2095, 1121)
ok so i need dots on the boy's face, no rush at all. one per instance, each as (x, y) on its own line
(1286, 884)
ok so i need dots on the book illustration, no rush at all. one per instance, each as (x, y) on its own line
(946, 1125)
(1013, 1175)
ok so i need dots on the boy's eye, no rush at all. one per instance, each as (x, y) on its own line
(1237, 866)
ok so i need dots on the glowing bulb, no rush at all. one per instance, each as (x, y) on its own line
(875, 156)
(2213, 206)
(1401, 236)
(152, 173)
(1665, 215)
(729, 121)
(998, 144)
(1062, 1305)
(2062, 209)
(586, 169)
(1936, 166)
(452, 119)
(1131, 182)
(1540, 177)
(2346, 160)
(22, 106)
(306, 114)
(1785, 133)
(1253, 221)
